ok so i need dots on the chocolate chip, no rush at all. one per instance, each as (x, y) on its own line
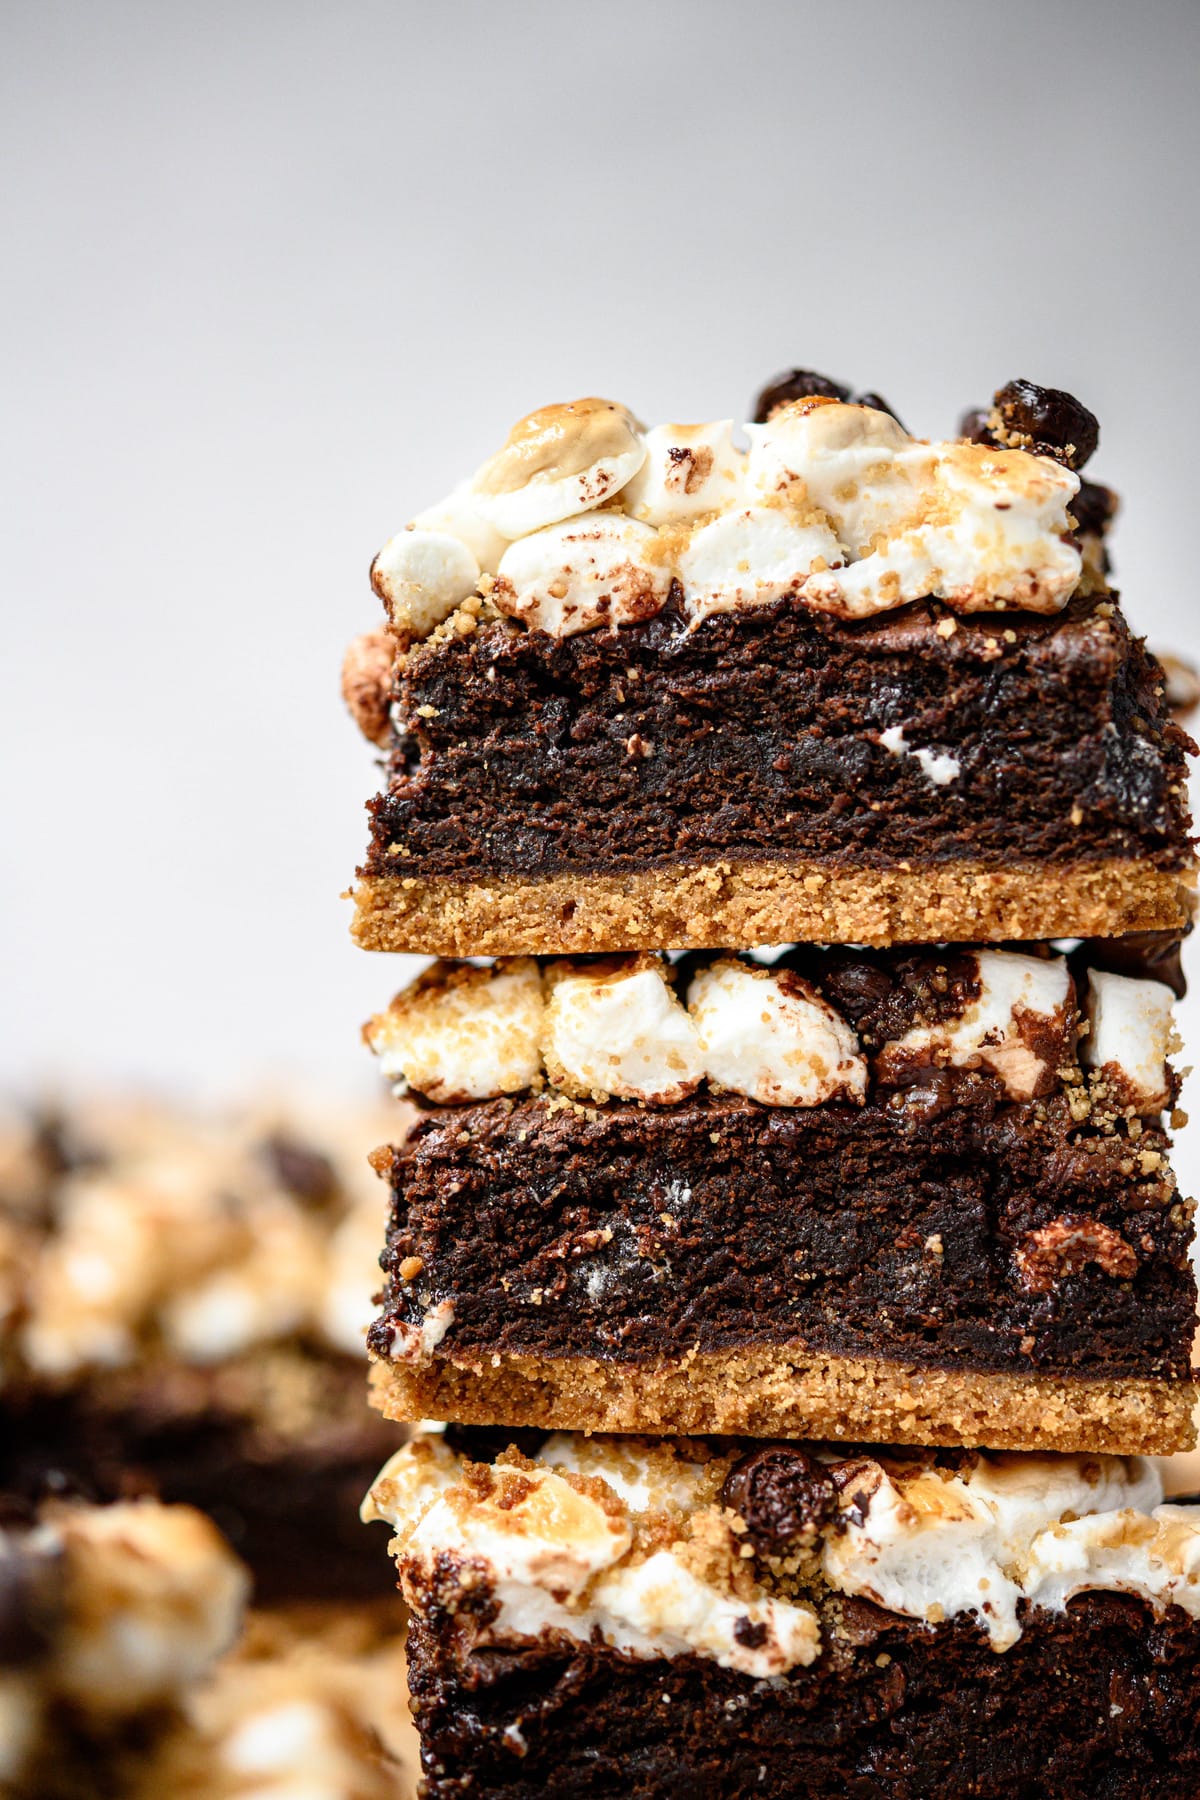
(303, 1171)
(973, 425)
(781, 1493)
(1144, 955)
(796, 384)
(749, 1636)
(877, 404)
(1048, 421)
(1093, 509)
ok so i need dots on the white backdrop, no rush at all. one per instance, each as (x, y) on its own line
(277, 274)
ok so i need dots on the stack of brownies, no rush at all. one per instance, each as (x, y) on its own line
(807, 834)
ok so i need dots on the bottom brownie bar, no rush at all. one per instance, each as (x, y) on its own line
(612, 1617)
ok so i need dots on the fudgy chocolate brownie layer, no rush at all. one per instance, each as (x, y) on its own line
(956, 1230)
(756, 738)
(1103, 1699)
(285, 1490)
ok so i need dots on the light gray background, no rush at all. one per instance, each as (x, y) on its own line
(276, 275)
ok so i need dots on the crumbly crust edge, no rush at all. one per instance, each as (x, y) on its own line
(787, 1391)
(736, 905)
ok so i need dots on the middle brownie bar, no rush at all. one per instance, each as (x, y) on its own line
(916, 1197)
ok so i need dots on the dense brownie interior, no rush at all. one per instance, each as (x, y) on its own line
(1103, 1700)
(945, 1226)
(755, 735)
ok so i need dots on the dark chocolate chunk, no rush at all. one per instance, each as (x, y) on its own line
(796, 384)
(1144, 955)
(1048, 421)
(782, 1494)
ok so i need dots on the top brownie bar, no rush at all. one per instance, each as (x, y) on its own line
(645, 688)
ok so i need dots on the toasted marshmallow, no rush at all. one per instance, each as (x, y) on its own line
(689, 470)
(620, 1030)
(154, 1594)
(557, 462)
(534, 1526)
(421, 576)
(461, 1033)
(458, 516)
(751, 556)
(859, 466)
(601, 569)
(771, 1036)
(1130, 1024)
(931, 1544)
(658, 1607)
(1018, 1026)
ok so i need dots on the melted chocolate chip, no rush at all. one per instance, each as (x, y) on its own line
(883, 1004)
(750, 1637)
(303, 1171)
(973, 425)
(781, 1493)
(1048, 421)
(796, 384)
(1093, 509)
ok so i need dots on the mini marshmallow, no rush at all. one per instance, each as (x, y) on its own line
(558, 462)
(461, 1033)
(1130, 1023)
(421, 576)
(689, 470)
(769, 1035)
(620, 1031)
(750, 557)
(1017, 1027)
(597, 570)
(458, 515)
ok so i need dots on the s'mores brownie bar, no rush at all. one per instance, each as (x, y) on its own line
(183, 1309)
(899, 1196)
(645, 689)
(699, 1618)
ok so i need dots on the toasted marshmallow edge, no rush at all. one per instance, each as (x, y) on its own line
(558, 462)
(1130, 1025)
(458, 516)
(460, 1033)
(771, 1036)
(749, 557)
(421, 576)
(923, 1542)
(689, 470)
(546, 1542)
(601, 569)
(154, 1595)
(1021, 1011)
(936, 1545)
(620, 1031)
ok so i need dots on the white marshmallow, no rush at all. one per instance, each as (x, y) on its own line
(461, 1033)
(857, 465)
(421, 576)
(535, 1528)
(771, 1036)
(938, 767)
(994, 1030)
(620, 1031)
(751, 556)
(601, 569)
(558, 462)
(1130, 1022)
(659, 1608)
(689, 470)
(458, 515)
(934, 1544)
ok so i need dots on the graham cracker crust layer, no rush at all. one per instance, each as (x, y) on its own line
(733, 906)
(780, 1391)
